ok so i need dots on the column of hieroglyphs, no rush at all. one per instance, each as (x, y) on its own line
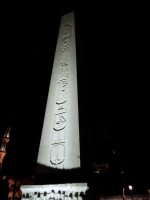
(59, 145)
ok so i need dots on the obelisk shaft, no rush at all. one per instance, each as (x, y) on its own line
(59, 145)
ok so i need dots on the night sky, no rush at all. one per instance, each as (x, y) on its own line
(112, 43)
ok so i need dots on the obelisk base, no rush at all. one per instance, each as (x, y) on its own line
(58, 191)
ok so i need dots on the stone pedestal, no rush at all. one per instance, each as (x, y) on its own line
(68, 191)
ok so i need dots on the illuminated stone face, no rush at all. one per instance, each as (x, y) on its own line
(59, 145)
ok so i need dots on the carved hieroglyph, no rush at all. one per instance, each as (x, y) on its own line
(59, 145)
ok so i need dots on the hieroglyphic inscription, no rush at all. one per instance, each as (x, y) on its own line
(57, 152)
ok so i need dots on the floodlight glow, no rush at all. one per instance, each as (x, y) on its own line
(130, 187)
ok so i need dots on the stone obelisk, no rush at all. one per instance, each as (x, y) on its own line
(59, 145)
(59, 149)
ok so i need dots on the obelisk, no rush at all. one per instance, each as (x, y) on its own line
(59, 145)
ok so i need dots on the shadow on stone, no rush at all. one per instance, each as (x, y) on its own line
(57, 176)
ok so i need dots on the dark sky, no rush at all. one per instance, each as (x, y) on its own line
(113, 52)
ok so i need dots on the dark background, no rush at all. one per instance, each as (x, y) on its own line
(112, 43)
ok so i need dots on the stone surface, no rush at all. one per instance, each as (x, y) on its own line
(59, 145)
(59, 191)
